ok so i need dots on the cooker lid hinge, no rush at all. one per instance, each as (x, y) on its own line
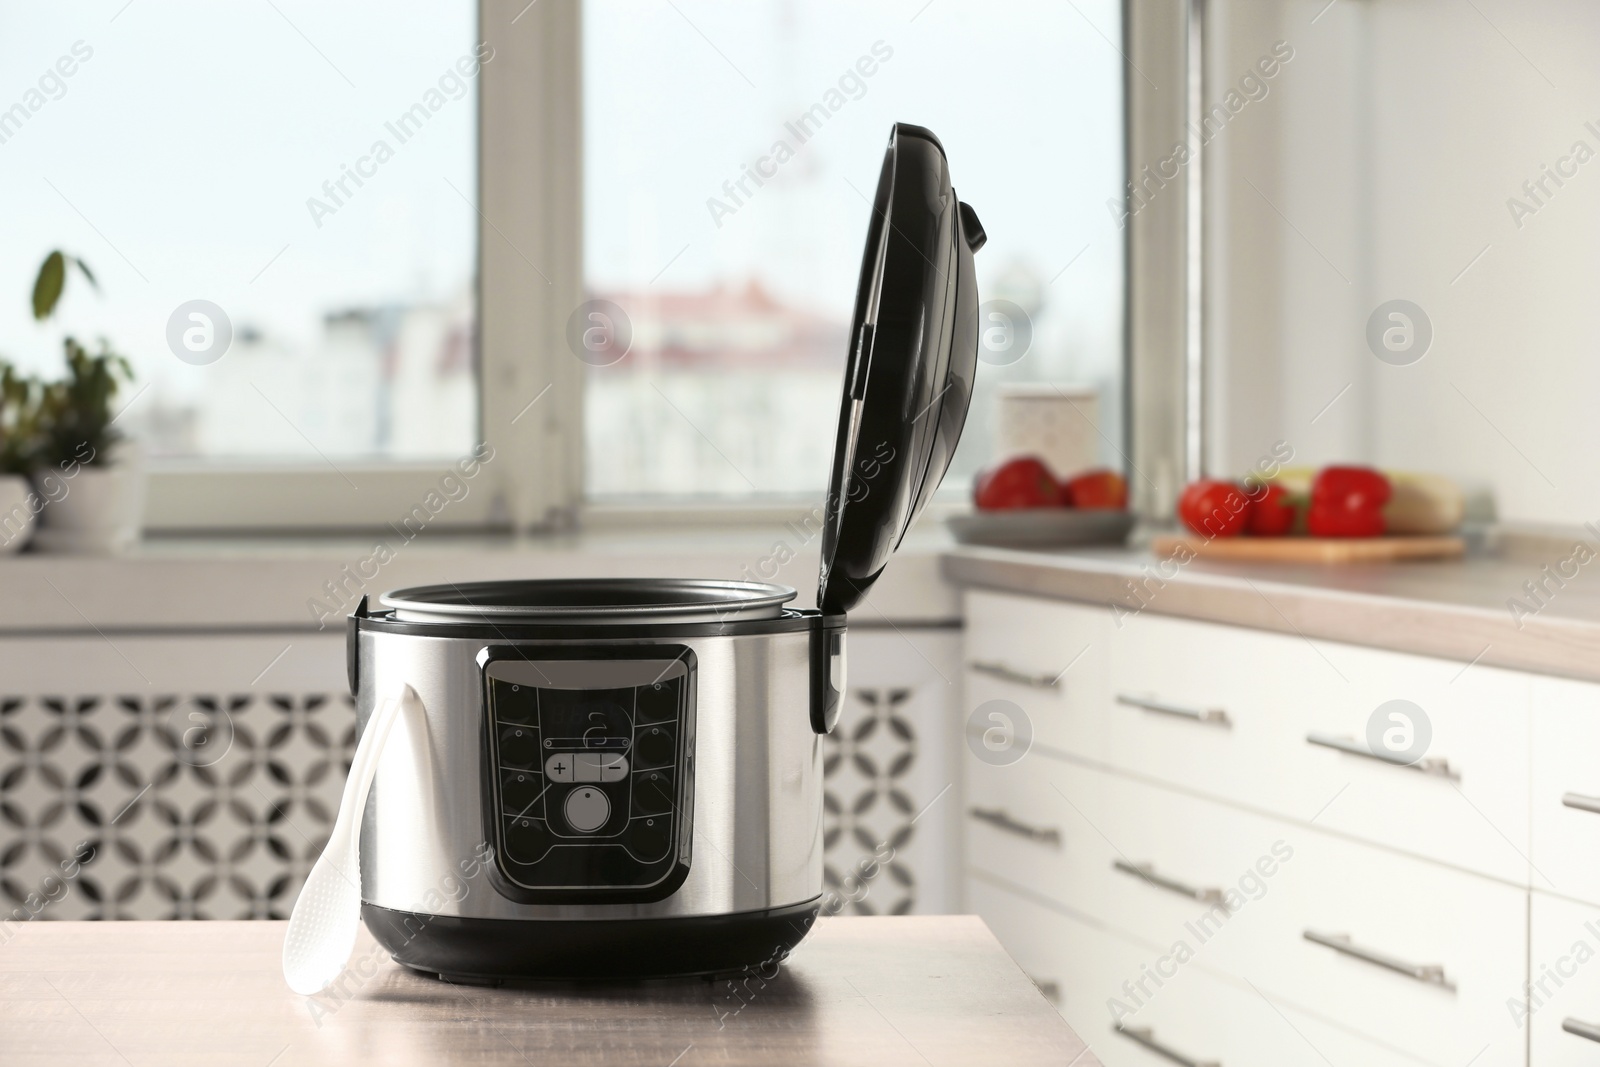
(352, 647)
(827, 673)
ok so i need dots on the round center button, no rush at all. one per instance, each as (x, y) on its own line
(587, 810)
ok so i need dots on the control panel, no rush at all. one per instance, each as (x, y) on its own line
(591, 766)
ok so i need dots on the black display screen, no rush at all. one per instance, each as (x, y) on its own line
(590, 780)
(602, 719)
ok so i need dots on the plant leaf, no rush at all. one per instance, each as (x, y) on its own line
(87, 273)
(47, 288)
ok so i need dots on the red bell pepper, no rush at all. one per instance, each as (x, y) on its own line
(1347, 502)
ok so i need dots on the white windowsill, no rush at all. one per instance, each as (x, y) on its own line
(267, 582)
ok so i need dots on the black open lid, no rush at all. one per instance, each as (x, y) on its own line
(913, 355)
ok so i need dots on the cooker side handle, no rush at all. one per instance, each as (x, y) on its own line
(827, 672)
(352, 647)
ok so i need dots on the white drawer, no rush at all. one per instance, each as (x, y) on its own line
(1050, 658)
(1183, 869)
(1159, 866)
(1142, 859)
(1473, 812)
(1232, 1024)
(1256, 700)
(1032, 824)
(1276, 881)
(1564, 992)
(1251, 1029)
(1049, 948)
(1566, 788)
(1084, 970)
(1209, 707)
(1099, 980)
(1413, 914)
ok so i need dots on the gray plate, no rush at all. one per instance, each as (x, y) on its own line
(1042, 527)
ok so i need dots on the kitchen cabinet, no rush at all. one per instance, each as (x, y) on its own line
(1280, 724)
(1560, 1004)
(1209, 797)
(1029, 653)
(1566, 788)
(1105, 983)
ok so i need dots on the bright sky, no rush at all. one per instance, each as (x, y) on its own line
(179, 156)
(179, 160)
(1025, 95)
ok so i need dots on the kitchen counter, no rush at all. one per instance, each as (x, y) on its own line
(1455, 610)
(871, 991)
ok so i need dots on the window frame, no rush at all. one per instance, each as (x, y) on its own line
(529, 276)
(530, 387)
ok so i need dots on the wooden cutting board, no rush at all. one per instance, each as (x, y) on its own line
(1313, 549)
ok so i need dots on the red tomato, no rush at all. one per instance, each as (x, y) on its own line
(1017, 483)
(1347, 502)
(1214, 509)
(1272, 512)
(1096, 489)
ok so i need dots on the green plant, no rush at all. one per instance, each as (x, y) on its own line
(19, 420)
(75, 414)
(52, 279)
(68, 421)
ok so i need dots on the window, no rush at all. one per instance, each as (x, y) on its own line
(306, 169)
(404, 211)
(731, 150)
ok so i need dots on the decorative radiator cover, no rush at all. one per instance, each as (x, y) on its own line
(203, 772)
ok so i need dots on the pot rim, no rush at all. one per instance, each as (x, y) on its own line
(613, 600)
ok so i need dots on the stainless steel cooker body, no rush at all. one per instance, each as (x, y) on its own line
(756, 826)
(441, 883)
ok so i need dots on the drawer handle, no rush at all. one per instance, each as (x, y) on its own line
(1581, 802)
(1147, 873)
(1579, 1028)
(1142, 1035)
(1007, 673)
(998, 818)
(1051, 990)
(1209, 716)
(1437, 766)
(1427, 973)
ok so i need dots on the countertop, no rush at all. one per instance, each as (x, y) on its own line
(1458, 610)
(872, 991)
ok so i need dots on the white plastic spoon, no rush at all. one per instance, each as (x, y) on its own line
(327, 915)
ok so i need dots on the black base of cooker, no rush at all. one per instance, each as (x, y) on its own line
(491, 951)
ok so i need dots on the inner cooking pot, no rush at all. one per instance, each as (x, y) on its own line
(590, 601)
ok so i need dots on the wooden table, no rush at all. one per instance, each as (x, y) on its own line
(878, 991)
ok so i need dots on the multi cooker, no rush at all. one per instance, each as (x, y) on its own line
(622, 778)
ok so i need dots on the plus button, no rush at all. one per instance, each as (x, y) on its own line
(558, 767)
